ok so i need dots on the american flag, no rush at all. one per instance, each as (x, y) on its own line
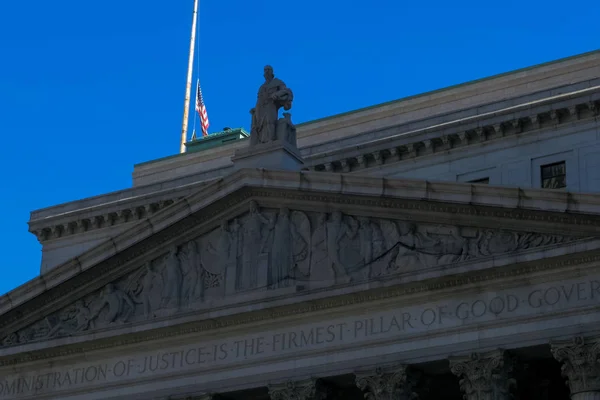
(201, 110)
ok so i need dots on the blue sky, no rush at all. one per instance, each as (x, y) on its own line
(88, 89)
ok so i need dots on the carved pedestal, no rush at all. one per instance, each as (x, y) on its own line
(310, 389)
(275, 155)
(484, 376)
(580, 359)
(389, 383)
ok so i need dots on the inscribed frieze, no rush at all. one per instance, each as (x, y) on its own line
(335, 334)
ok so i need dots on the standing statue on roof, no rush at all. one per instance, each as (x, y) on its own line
(272, 95)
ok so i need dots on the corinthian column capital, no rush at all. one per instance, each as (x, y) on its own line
(387, 383)
(310, 389)
(580, 363)
(484, 376)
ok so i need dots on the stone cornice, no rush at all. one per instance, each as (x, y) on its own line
(422, 288)
(391, 145)
(401, 143)
(514, 83)
(104, 212)
(578, 214)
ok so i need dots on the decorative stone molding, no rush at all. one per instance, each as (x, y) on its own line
(270, 249)
(271, 314)
(388, 383)
(483, 131)
(435, 209)
(485, 376)
(310, 389)
(580, 360)
(45, 231)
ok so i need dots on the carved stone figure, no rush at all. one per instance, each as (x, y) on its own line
(366, 239)
(171, 296)
(281, 256)
(222, 248)
(335, 248)
(146, 290)
(340, 233)
(272, 95)
(286, 130)
(428, 246)
(219, 251)
(192, 287)
(290, 247)
(373, 246)
(277, 247)
(320, 265)
(75, 319)
(118, 305)
(252, 246)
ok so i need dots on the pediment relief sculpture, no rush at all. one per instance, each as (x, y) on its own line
(269, 249)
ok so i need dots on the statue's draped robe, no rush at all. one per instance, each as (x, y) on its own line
(264, 119)
(252, 246)
(281, 257)
(173, 280)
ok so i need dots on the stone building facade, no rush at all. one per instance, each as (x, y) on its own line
(443, 246)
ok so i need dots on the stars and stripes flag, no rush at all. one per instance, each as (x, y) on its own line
(201, 110)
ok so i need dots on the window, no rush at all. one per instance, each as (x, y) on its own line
(482, 181)
(554, 176)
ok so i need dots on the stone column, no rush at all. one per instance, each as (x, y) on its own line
(580, 365)
(310, 389)
(484, 376)
(387, 383)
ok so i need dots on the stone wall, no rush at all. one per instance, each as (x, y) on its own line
(514, 163)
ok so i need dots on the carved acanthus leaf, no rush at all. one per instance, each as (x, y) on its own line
(311, 389)
(580, 360)
(484, 376)
(387, 383)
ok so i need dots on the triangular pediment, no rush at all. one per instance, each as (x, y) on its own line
(258, 237)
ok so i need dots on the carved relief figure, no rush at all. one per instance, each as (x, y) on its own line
(252, 246)
(290, 247)
(366, 239)
(146, 289)
(192, 287)
(320, 264)
(378, 244)
(171, 296)
(76, 318)
(118, 305)
(341, 247)
(83, 316)
(272, 95)
(286, 246)
(335, 250)
(220, 250)
(281, 256)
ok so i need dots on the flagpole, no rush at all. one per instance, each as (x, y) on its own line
(188, 86)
